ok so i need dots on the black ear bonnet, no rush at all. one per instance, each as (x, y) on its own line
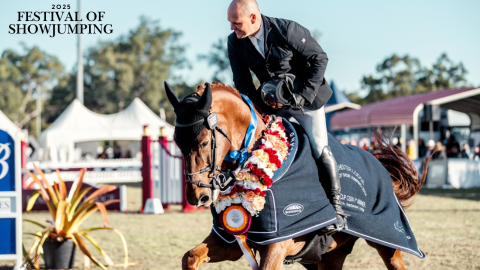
(193, 108)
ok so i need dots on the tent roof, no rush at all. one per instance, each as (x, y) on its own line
(133, 118)
(338, 101)
(7, 125)
(396, 111)
(337, 96)
(79, 124)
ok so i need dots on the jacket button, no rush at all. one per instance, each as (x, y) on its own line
(267, 65)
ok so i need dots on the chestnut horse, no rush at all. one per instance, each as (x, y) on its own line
(233, 120)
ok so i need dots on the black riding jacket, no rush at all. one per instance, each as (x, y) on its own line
(289, 48)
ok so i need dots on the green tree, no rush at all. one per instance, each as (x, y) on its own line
(375, 89)
(218, 58)
(400, 76)
(62, 94)
(355, 98)
(445, 74)
(23, 77)
(135, 65)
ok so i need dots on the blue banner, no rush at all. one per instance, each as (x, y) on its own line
(7, 234)
(7, 161)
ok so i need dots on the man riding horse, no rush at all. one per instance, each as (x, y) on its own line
(290, 65)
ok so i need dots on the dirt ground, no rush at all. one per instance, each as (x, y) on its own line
(446, 224)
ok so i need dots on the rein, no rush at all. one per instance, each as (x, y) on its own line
(222, 181)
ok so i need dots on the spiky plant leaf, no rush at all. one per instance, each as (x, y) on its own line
(32, 201)
(81, 245)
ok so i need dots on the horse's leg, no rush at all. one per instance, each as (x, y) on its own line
(272, 255)
(210, 250)
(391, 257)
(336, 255)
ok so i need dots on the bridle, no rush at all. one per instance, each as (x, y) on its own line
(224, 179)
(211, 122)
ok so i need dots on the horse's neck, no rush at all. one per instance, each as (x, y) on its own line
(239, 120)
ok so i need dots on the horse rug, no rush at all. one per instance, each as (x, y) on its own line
(296, 204)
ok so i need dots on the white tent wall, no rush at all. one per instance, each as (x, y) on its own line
(132, 146)
(89, 149)
(78, 124)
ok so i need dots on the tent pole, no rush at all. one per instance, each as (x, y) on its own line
(39, 111)
(79, 62)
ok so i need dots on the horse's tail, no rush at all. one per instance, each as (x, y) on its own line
(402, 171)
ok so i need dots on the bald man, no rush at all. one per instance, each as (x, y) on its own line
(274, 50)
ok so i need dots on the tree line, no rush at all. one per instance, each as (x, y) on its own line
(137, 63)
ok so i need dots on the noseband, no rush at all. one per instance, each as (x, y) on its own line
(224, 179)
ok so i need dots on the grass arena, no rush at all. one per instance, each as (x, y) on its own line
(446, 224)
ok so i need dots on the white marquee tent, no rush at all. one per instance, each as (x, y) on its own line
(79, 124)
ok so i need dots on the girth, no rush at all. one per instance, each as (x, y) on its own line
(316, 245)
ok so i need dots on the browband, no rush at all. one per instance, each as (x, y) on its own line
(189, 125)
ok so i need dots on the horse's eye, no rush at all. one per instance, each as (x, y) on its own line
(202, 145)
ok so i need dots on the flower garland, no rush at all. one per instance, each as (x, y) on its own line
(256, 176)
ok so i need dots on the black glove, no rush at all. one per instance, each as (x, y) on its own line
(297, 102)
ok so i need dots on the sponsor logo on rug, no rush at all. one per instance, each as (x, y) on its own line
(293, 209)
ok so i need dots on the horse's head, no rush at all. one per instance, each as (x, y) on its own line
(193, 135)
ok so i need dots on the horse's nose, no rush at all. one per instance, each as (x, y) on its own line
(204, 199)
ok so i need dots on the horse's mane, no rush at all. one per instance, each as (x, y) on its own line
(221, 86)
(218, 86)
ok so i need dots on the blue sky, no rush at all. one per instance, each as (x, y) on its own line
(356, 35)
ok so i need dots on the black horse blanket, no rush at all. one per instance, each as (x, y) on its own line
(296, 204)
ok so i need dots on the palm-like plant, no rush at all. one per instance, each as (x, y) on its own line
(68, 212)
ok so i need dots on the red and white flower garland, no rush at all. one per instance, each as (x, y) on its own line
(256, 177)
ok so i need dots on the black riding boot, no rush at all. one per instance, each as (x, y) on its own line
(330, 180)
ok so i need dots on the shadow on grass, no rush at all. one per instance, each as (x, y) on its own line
(472, 194)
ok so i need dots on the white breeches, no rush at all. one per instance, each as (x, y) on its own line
(314, 124)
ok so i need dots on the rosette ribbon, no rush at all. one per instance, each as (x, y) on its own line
(236, 220)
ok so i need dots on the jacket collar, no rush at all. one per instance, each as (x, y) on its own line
(269, 35)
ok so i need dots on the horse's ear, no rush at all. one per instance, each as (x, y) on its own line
(205, 102)
(172, 97)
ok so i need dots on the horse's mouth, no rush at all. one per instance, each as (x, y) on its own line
(206, 199)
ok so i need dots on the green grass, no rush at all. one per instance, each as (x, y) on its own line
(446, 225)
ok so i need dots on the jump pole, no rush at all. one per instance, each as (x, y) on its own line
(147, 168)
(163, 141)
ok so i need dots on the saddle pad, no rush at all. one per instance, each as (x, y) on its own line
(296, 204)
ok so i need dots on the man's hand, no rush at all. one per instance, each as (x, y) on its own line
(273, 101)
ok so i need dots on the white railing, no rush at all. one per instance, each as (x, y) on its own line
(94, 163)
(167, 172)
(98, 171)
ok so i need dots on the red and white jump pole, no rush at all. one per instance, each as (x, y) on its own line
(148, 190)
(147, 168)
